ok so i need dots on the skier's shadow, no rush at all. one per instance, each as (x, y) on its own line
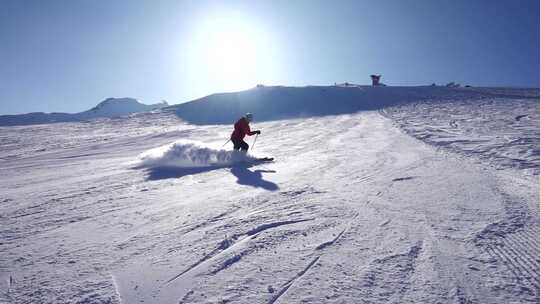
(253, 178)
(244, 175)
(165, 173)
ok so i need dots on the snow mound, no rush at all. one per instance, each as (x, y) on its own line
(278, 102)
(190, 154)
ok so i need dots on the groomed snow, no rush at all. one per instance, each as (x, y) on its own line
(353, 210)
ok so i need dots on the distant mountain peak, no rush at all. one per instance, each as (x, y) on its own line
(121, 106)
(110, 107)
(111, 101)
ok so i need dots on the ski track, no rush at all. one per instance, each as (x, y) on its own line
(288, 284)
(298, 276)
(226, 244)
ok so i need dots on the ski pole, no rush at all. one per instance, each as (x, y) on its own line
(254, 141)
(228, 140)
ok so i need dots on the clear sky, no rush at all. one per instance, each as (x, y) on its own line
(68, 55)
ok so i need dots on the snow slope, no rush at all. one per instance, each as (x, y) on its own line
(110, 107)
(354, 210)
(270, 103)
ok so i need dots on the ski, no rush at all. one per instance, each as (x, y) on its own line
(265, 159)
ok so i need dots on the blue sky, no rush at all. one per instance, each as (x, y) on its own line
(66, 56)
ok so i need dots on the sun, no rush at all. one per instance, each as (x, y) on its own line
(232, 54)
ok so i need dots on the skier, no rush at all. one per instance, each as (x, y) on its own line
(241, 129)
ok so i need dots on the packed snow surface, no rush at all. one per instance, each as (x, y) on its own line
(426, 199)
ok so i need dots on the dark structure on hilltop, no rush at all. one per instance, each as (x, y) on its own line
(375, 80)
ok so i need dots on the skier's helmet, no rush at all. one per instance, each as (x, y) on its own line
(249, 117)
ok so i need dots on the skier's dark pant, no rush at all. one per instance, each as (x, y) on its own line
(239, 144)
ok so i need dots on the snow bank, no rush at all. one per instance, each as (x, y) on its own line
(190, 154)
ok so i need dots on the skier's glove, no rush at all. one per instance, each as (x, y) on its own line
(258, 132)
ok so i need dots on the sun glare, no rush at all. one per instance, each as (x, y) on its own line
(232, 54)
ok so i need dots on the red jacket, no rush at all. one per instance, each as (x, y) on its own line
(241, 129)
